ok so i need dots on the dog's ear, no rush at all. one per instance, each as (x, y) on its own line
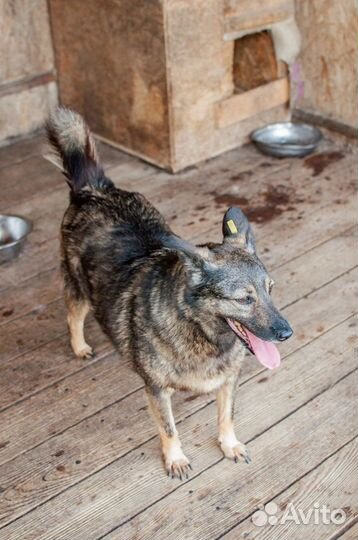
(237, 229)
(197, 259)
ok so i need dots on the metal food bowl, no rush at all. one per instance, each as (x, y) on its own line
(287, 139)
(13, 232)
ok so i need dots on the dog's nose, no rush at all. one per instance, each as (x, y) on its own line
(284, 333)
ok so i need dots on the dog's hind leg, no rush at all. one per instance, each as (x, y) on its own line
(176, 463)
(225, 400)
(77, 311)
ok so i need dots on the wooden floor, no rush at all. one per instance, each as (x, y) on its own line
(79, 459)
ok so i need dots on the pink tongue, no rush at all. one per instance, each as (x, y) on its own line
(266, 352)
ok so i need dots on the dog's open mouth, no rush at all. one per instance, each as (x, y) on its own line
(265, 351)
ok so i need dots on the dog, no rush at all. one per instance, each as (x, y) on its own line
(184, 314)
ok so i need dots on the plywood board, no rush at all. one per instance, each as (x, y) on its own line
(242, 106)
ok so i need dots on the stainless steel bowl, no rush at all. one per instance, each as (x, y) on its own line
(287, 139)
(13, 232)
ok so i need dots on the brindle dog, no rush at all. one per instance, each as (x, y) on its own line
(183, 314)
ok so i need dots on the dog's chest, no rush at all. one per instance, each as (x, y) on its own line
(208, 376)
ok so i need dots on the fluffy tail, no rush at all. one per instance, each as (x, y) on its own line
(72, 140)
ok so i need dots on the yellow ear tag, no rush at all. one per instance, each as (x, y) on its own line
(231, 226)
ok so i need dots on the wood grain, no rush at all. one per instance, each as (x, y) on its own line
(350, 534)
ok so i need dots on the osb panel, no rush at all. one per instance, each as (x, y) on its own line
(26, 111)
(254, 61)
(25, 40)
(328, 61)
(111, 66)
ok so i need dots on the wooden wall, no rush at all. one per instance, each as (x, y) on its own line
(27, 74)
(328, 60)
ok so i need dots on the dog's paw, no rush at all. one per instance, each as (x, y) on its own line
(85, 353)
(178, 468)
(237, 452)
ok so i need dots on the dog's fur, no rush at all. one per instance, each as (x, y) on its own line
(162, 301)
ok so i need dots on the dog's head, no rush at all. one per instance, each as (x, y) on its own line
(229, 281)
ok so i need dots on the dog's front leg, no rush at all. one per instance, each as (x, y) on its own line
(176, 463)
(225, 400)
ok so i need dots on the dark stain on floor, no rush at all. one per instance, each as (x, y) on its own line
(230, 199)
(265, 164)
(319, 162)
(276, 200)
(241, 176)
(278, 195)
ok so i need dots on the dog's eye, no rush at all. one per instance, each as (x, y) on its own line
(246, 300)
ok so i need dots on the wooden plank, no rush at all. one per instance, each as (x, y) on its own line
(24, 181)
(39, 368)
(105, 500)
(30, 295)
(37, 328)
(68, 401)
(241, 106)
(27, 83)
(351, 534)
(304, 274)
(303, 375)
(17, 152)
(112, 157)
(340, 128)
(333, 484)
